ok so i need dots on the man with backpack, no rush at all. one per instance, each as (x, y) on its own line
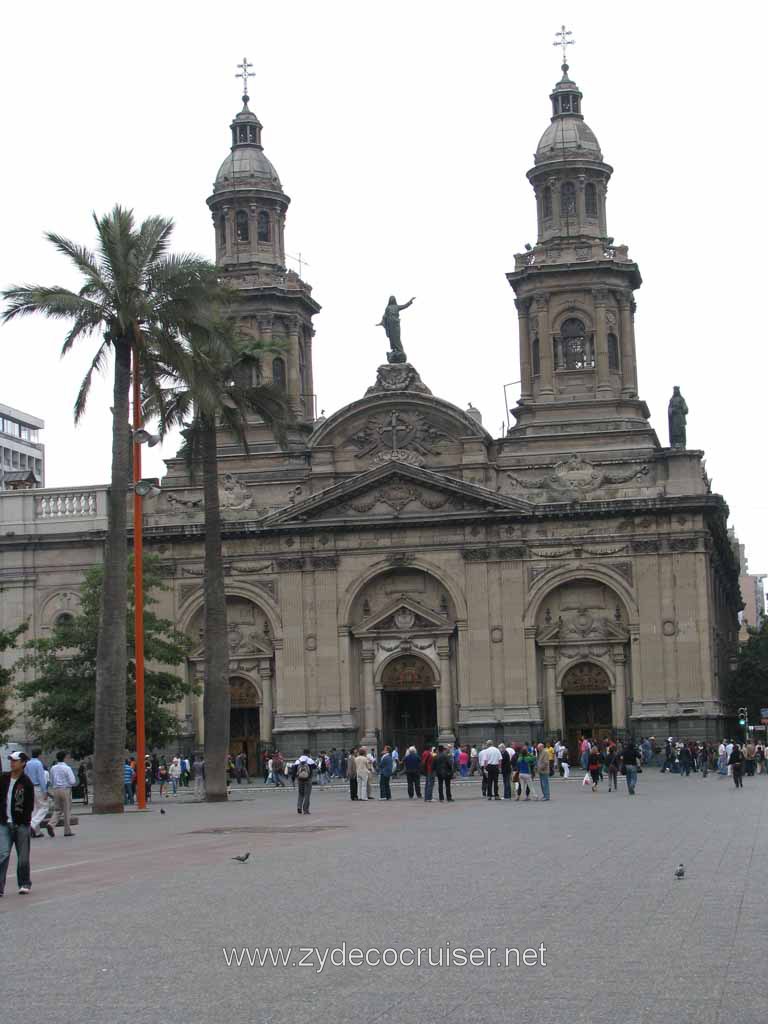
(305, 767)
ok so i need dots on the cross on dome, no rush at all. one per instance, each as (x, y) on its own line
(564, 41)
(245, 74)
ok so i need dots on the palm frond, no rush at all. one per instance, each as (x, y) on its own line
(56, 302)
(83, 258)
(97, 363)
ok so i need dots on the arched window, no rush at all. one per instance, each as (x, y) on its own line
(256, 380)
(536, 357)
(613, 352)
(252, 133)
(590, 199)
(547, 202)
(241, 226)
(576, 347)
(568, 199)
(242, 133)
(222, 230)
(575, 102)
(565, 104)
(278, 373)
(64, 620)
(264, 227)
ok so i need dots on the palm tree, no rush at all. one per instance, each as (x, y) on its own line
(136, 299)
(212, 391)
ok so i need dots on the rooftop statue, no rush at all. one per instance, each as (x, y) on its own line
(391, 324)
(676, 413)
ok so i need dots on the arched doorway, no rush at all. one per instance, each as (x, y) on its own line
(244, 723)
(408, 703)
(587, 705)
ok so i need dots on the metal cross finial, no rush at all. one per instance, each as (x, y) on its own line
(245, 74)
(564, 41)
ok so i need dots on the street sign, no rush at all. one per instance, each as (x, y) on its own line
(757, 728)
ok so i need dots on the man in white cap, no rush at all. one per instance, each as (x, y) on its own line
(17, 801)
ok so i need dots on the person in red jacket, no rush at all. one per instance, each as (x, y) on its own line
(427, 764)
(17, 801)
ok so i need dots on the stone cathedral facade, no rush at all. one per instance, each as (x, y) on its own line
(400, 575)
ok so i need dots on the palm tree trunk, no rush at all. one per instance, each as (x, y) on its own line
(216, 696)
(111, 648)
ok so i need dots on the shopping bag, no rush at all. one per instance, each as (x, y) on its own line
(587, 780)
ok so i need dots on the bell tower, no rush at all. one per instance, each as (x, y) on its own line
(574, 292)
(248, 207)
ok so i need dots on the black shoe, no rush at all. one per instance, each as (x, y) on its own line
(299, 811)
(306, 812)
(51, 833)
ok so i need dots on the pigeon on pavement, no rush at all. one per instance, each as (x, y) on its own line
(162, 811)
(680, 872)
(244, 857)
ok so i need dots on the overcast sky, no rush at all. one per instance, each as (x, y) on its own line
(402, 132)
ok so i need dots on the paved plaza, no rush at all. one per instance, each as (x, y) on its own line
(128, 921)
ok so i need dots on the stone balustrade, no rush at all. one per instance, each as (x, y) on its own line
(62, 504)
(46, 510)
(577, 252)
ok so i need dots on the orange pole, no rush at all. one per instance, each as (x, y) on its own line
(138, 588)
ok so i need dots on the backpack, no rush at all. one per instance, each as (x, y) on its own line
(304, 771)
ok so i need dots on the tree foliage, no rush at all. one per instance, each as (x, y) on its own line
(748, 686)
(8, 640)
(62, 694)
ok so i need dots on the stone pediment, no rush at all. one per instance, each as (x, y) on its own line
(396, 491)
(403, 615)
(583, 628)
(244, 641)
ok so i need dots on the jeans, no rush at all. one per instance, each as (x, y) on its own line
(429, 785)
(631, 770)
(414, 785)
(506, 779)
(127, 793)
(544, 782)
(584, 759)
(305, 792)
(385, 791)
(174, 784)
(18, 836)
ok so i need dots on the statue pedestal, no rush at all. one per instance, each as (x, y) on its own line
(394, 377)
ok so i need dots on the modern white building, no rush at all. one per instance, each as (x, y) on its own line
(22, 457)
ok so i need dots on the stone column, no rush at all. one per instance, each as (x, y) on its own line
(620, 691)
(369, 696)
(445, 733)
(265, 716)
(292, 359)
(526, 375)
(600, 297)
(554, 185)
(552, 709)
(379, 713)
(602, 189)
(628, 368)
(581, 208)
(546, 380)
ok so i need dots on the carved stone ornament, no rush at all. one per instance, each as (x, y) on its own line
(324, 561)
(234, 495)
(399, 495)
(310, 643)
(397, 377)
(404, 618)
(497, 634)
(396, 431)
(243, 639)
(574, 478)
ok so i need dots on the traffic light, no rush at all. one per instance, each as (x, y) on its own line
(742, 716)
